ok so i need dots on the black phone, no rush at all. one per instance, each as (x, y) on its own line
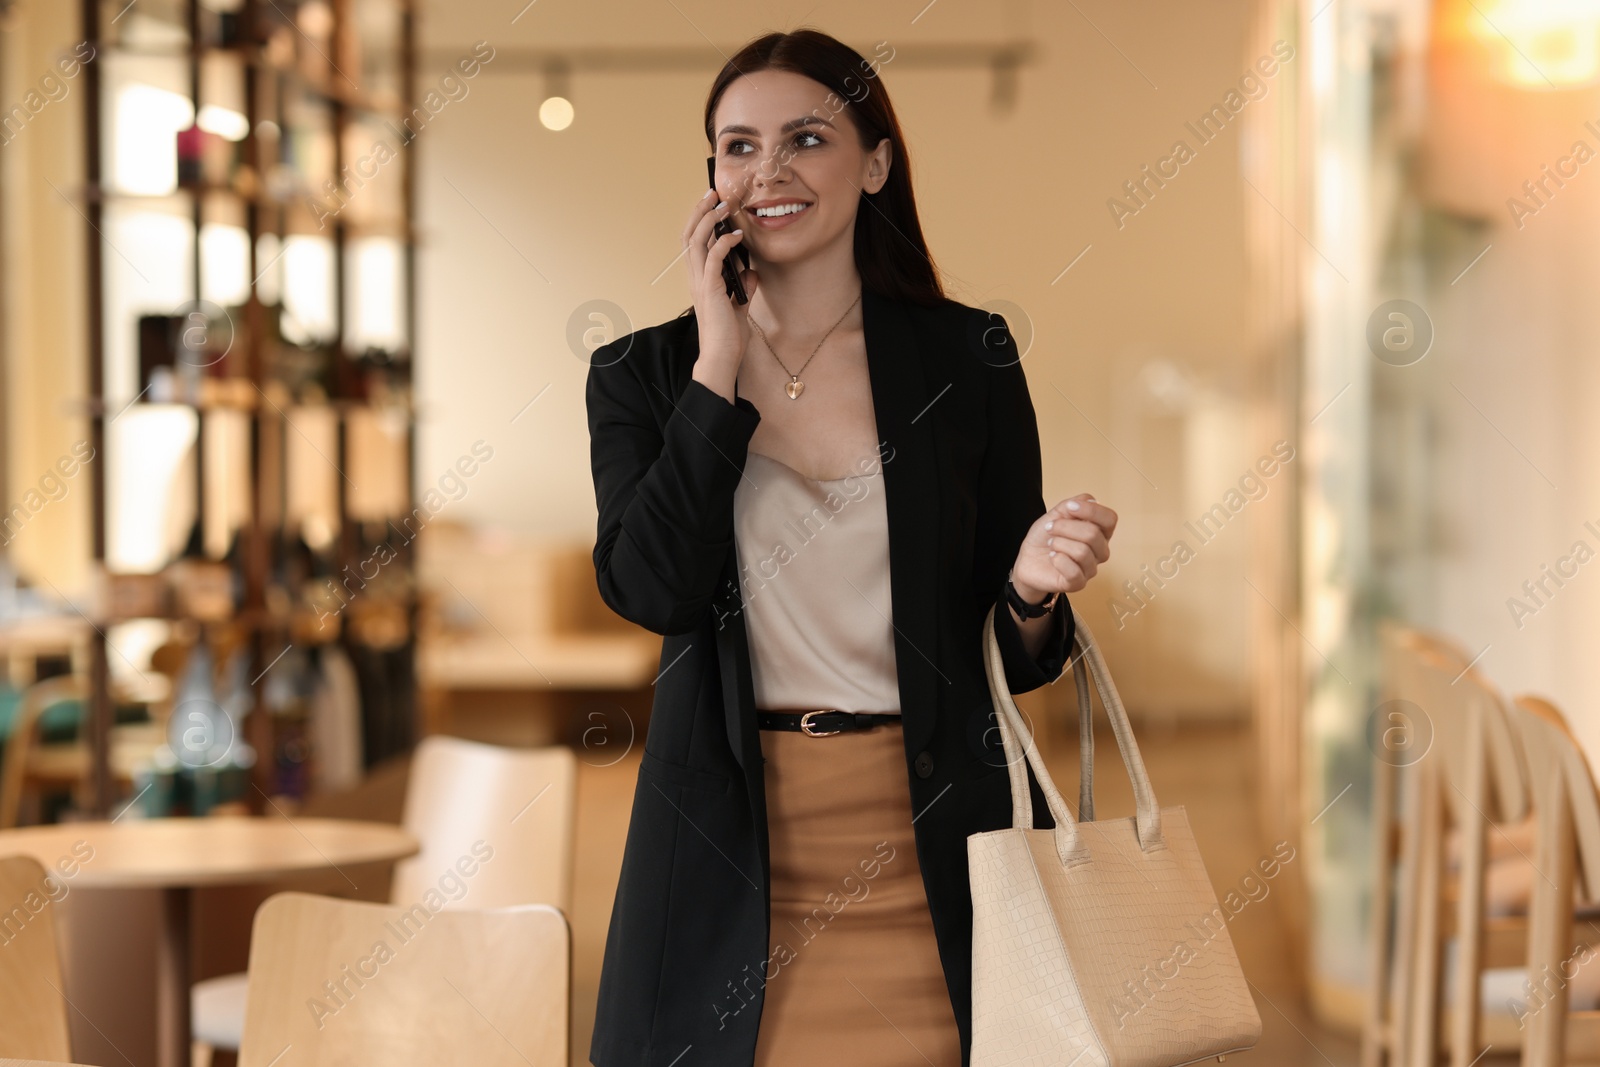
(730, 271)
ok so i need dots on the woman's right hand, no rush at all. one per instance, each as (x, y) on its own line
(724, 324)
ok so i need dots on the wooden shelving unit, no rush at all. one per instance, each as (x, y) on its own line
(277, 94)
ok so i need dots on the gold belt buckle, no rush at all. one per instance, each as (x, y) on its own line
(805, 724)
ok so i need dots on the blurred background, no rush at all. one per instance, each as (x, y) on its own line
(296, 303)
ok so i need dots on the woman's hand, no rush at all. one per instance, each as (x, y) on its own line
(724, 325)
(1063, 548)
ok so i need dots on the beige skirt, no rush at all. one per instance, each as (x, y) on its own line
(854, 973)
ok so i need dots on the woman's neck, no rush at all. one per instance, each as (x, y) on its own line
(804, 298)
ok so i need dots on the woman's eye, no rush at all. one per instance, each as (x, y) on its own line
(732, 146)
(816, 138)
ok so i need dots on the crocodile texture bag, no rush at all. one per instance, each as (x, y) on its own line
(1096, 944)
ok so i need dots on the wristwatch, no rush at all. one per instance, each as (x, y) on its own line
(1025, 609)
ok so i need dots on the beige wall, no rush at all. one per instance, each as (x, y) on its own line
(44, 336)
(522, 226)
(1138, 370)
(1511, 388)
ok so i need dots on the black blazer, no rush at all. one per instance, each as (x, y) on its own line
(688, 950)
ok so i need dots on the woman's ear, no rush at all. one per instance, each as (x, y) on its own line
(878, 165)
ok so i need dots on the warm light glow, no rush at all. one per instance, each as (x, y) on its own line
(147, 124)
(224, 122)
(1541, 44)
(307, 289)
(224, 264)
(556, 113)
(150, 485)
(376, 293)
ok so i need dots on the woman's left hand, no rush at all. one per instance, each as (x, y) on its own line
(1063, 548)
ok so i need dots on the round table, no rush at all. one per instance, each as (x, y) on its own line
(180, 854)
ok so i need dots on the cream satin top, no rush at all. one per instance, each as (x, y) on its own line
(814, 571)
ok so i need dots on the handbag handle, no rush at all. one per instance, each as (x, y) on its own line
(1021, 752)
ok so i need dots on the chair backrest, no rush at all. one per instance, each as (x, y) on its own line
(1405, 656)
(33, 1023)
(1458, 700)
(345, 981)
(21, 743)
(1400, 645)
(1553, 749)
(495, 824)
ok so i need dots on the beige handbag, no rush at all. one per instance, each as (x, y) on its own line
(1096, 944)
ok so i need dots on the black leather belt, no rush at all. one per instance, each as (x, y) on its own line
(822, 722)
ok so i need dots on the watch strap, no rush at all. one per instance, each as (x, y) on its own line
(1025, 609)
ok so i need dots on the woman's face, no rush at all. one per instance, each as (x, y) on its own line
(783, 139)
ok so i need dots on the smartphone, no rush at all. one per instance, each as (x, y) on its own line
(730, 270)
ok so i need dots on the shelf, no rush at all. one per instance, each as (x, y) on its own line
(105, 194)
(341, 407)
(478, 661)
(302, 119)
(298, 218)
(333, 91)
(304, 623)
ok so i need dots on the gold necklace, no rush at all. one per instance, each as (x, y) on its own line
(795, 386)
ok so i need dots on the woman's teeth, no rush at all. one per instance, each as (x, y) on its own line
(781, 209)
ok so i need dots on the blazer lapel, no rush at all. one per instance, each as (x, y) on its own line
(900, 399)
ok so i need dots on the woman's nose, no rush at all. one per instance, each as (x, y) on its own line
(773, 167)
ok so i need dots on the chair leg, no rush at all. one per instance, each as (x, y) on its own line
(1408, 896)
(1423, 1006)
(1377, 1035)
(1550, 931)
(1472, 828)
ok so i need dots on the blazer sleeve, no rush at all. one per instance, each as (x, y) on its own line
(1010, 499)
(664, 493)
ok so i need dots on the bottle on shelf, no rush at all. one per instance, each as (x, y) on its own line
(286, 696)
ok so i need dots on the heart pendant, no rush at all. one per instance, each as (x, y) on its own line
(795, 388)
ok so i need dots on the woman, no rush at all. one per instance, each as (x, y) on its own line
(817, 497)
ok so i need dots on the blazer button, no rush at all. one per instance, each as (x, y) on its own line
(924, 764)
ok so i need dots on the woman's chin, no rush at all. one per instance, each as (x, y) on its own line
(783, 253)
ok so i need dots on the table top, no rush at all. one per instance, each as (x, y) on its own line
(561, 661)
(222, 850)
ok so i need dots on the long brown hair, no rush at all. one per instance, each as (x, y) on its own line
(891, 255)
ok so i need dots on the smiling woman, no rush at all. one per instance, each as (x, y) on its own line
(887, 234)
(810, 713)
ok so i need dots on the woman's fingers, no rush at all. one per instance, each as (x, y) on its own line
(697, 214)
(1062, 531)
(1078, 552)
(697, 235)
(1084, 506)
(1070, 571)
(717, 253)
(701, 208)
(1092, 548)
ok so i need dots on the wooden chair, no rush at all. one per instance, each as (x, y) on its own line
(33, 1023)
(505, 814)
(31, 763)
(349, 982)
(517, 802)
(1483, 792)
(1567, 858)
(1465, 803)
(1395, 838)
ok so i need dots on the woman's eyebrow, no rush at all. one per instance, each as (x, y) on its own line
(792, 124)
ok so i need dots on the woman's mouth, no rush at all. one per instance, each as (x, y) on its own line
(778, 216)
